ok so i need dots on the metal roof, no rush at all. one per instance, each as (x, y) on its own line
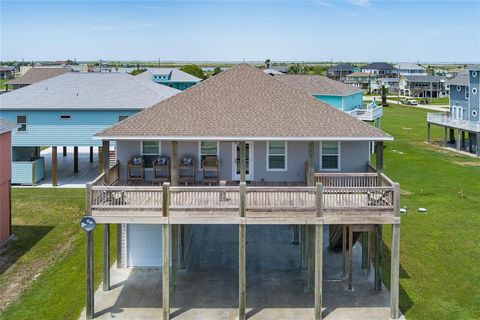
(78, 90)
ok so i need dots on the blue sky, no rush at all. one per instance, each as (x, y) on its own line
(353, 30)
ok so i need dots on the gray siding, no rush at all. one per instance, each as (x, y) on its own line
(474, 97)
(457, 98)
(353, 158)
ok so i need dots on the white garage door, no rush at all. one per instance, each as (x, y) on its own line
(144, 245)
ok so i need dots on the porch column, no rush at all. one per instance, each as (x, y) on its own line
(91, 154)
(54, 166)
(106, 257)
(296, 234)
(64, 151)
(100, 160)
(242, 276)
(89, 259)
(174, 254)
(318, 254)
(459, 140)
(445, 129)
(119, 246)
(350, 258)
(379, 164)
(311, 164)
(463, 139)
(106, 158)
(365, 250)
(174, 164)
(166, 254)
(378, 257)
(310, 257)
(395, 273)
(303, 247)
(75, 159)
(428, 132)
(242, 161)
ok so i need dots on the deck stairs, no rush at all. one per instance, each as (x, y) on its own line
(336, 236)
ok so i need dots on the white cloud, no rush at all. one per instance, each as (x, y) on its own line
(361, 3)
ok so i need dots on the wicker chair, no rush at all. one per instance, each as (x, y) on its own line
(186, 170)
(136, 170)
(211, 170)
(161, 170)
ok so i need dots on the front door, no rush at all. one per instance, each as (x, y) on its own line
(248, 160)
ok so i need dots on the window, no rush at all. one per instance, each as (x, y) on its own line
(330, 155)
(22, 121)
(207, 148)
(474, 90)
(277, 155)
(121, 118)
(474, 74)
(65, 117)
(150, 150)
(467, 94)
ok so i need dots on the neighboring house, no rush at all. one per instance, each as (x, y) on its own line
(82, 67)
(362, 80)
(380, 69)
(340, 71)
(5, 178)
(67, 110)
(260, 130)
(171, 77)
(282, 69)
(7, 72)
(339, 95)
(407, 68)
(463, 115)
(34, 75)
(272, 72)
(392, 85)
(423, 86)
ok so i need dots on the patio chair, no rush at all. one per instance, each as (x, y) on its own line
(136, 169)
(186, 170)
(211, 170)
(161, 170)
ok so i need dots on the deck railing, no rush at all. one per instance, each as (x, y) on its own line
(445, 120)
(367, 114)
(338, 194)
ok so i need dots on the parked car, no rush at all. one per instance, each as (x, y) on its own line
(409, 102)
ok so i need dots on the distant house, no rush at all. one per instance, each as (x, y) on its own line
(362, 80)
(67, 110)
(464, 113)
(282, 69)
(407, 68)
(380, 69)
(340, 71)
(171, 77)
(392, 84)
(423, 86)
(34, 75)
(5, 177)
(272, 72)
(339, 95)
(7, 72)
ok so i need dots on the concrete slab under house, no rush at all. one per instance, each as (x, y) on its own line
(257, 193)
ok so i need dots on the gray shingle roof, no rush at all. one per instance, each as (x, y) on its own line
(313, 84)
(424, 78)
(379, 66)
(460, 80)
(35, 75)
(76, 90)
(341, 66)
(242, 103)
(176, 75)
(6, 126)
(409, 66)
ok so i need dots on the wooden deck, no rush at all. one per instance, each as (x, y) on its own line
(338, 198)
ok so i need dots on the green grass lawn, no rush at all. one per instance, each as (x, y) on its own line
(440, 250)
(48, 258)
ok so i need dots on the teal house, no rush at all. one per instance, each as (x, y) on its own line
(170, 77)
(335, 93)
(67, 110)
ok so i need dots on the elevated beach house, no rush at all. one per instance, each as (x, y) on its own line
(67, 110)
(34, 75)
(6, 128)
(242, 148)
(339, 95)
(172, 77)
(463, 116)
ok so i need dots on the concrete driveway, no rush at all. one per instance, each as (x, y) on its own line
(208, 287)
